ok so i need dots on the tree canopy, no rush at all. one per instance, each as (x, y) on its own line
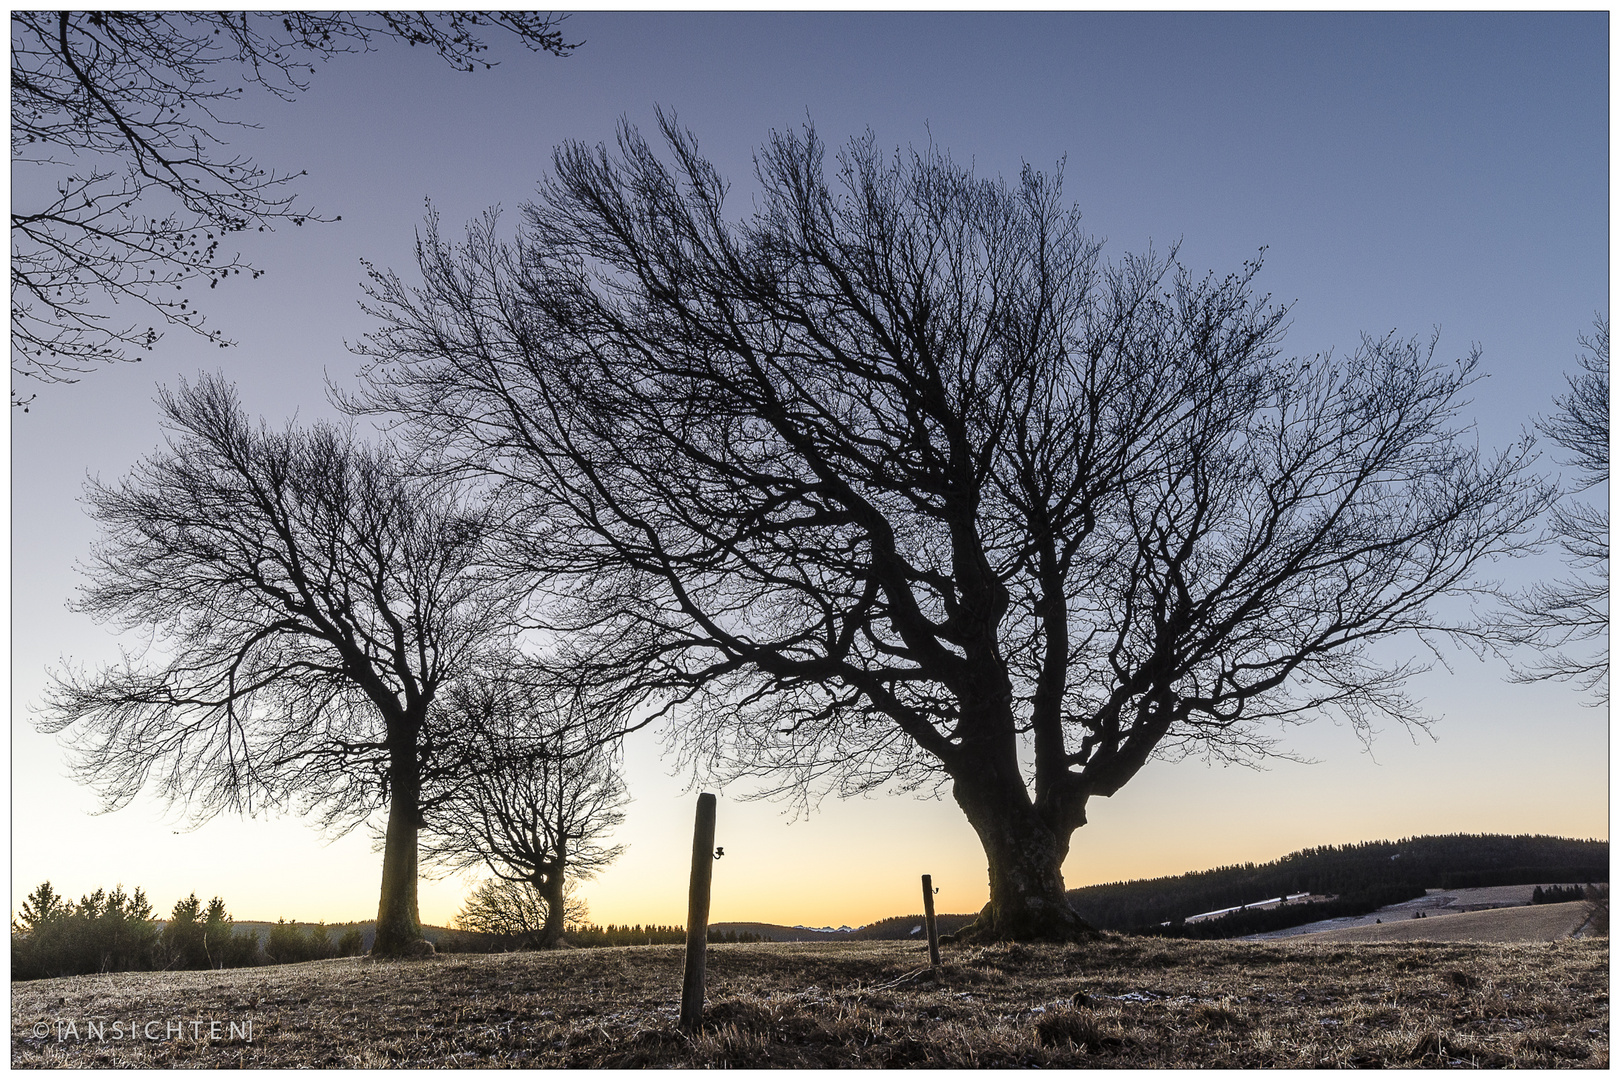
(896, 479)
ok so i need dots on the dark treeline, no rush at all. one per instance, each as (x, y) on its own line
(115, 931)
(1348, 872)
(1558, 894)
(591, 936)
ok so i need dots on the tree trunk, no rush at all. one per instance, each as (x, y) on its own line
(1028, 901)
(552, 889)
(399, 926)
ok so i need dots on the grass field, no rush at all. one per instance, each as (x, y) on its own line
(1121, 1002)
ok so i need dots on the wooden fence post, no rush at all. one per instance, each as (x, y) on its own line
(928, 917)
(697, 915)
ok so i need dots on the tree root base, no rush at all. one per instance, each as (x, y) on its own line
(983, 931)
(421, 949)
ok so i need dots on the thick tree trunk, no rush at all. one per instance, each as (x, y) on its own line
(399, 926)
(552, 889)
(1028, 901)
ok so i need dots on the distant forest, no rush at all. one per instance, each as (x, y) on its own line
(1357, 874)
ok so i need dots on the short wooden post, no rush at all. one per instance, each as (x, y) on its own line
(697, 915)
(928, 917)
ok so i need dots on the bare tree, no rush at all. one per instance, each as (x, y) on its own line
(515, 909)
(543, 795)
(119, 117)
(1551, 617)
(897, 481)
(307, 603)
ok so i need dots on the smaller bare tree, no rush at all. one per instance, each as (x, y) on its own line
(1555, 617)
(544, 794)
(516, 909)
(307, 601)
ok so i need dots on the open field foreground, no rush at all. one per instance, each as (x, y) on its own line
(1120, 1002)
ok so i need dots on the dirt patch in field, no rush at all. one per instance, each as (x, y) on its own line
(1543, 922)
(1118, 1002)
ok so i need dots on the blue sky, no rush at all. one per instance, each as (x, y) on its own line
(1404, 172)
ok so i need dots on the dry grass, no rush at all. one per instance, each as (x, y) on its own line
(1506, 895)
(1119, 1002)
(1544, 922)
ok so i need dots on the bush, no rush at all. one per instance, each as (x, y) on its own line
(352, 943)
(515, 909)
(241, 949)
(53, 936)
(1597, 899)
(287, 944)
(195, 938)
(180, 945)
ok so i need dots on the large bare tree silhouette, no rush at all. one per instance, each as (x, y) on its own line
(896, 481)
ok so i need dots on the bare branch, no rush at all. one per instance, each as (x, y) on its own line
(121, 115)
(1551, 617)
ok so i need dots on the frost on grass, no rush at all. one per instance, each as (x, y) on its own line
(1118, 1002)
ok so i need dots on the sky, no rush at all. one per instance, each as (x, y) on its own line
(1403, 172)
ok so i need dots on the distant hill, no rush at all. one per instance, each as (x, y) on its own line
(1419, 862)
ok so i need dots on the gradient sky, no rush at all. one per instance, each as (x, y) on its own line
(1404, 172)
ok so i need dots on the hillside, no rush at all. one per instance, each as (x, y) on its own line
(1377, 867)
(1544, 922)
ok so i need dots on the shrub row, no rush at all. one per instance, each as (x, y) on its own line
(53, 936)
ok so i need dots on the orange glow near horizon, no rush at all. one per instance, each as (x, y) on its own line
(853, 862)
